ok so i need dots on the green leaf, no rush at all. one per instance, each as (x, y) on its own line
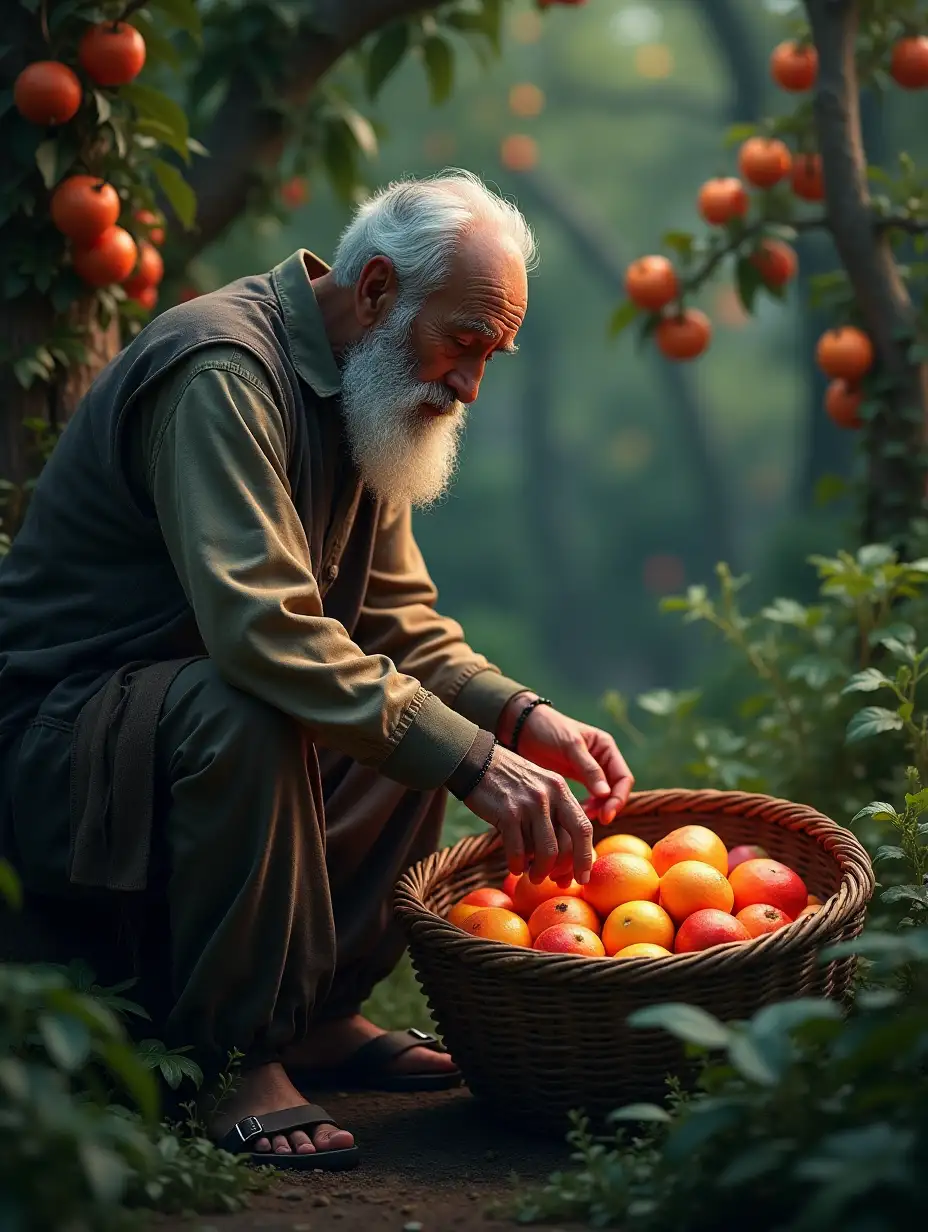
(871, 721)
(154, 105)
(906, 893)
(867, 681)
(815, 670)
(918, 802)
(105, 1171)
(641, 1112)
(888, 853)
(897, 632)
(755, 1162)
(387, 51)
(138, 1081)
(786, 612)
(873, 555)
(702, 1122)
(686, 1022)
(785, 1016)
(180, 195)
(66, 1040)
(362, 130)
(183, 14)
(438, 56)
(879, 810)
(678, 241)
(170, 1071)
(103, 105)
(754, 1058)
(738, 133)
(622, 317)
(829, 488)
(46, 159)
(749, 281)
(10, 888)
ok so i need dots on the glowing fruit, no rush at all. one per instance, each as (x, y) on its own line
(703, 929)
(510, 883)
(761, 918)
(112, 53)
(794, 66)
(643, 949)
(908, 65)
(721, 200)
(694, 886)
(570, 939)
(620, 878)
(683, 336)
(145, 277)
(110, 258)
(844, 354)
(155, 222)
(806, 178)
(651, 283)
(488, 898)
(637, 922)
(768, 881)
(460, 911)
(83, 207)
(746, 851)
(629, 843)
(47, 92)
(497, 924)
(764, 161)
(562, 911)
(776, 262)
(147, 297)
(842, 404)
(528, 896)
(690, 842)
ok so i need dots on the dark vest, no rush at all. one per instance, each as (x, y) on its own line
(88, 585)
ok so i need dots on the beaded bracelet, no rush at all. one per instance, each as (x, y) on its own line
(484, 769)
(520, 721)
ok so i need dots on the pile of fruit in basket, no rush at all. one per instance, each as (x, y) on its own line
(687, 893)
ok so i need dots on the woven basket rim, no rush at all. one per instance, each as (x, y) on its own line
(804, 935)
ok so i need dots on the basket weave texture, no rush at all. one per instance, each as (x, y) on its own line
(537, 1034)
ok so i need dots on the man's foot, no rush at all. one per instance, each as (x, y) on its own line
(330, 1044)
(268, 1089)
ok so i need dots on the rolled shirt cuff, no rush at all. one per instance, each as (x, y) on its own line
(434, 745)
(462, 781)
(483, 698)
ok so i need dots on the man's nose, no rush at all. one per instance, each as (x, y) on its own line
(465, 381)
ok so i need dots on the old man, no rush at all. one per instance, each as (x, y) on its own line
(224, 685)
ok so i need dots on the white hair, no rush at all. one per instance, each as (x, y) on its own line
(418, 225)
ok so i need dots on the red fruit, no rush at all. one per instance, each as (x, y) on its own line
(776, 262)
(570, 939)
(684, 335)
(488, 898)
(147, 297)
(764, 161)
(768, 882)
(806, 178)
(110, 258)
(722, 199)
(112, 53)
(47, 92)
(83, 207)
(909, 63)
(794, 67)
(842, 403)
(845, 353)
(761, 918)
(747, 851)
(706, 928)
(156, 223)
(651, 283)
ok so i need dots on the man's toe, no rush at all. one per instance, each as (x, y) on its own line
(301, 1142)
(330, 1138)
(282, 1145)
(263, 1144)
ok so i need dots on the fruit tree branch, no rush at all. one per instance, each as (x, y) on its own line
(245, 135)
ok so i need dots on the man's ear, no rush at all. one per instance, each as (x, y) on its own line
(375, 291)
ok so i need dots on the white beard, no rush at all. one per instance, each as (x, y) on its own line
(404, 453)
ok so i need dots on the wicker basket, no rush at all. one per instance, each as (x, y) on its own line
(537, 1035)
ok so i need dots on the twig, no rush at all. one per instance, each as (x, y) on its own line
(815, 223)
(902, 222)
(43, 21)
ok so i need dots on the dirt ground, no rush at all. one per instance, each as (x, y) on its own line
(429, 1163)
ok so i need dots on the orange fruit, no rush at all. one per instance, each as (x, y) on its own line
(744, 851)
(562, 911)
(684, 335)
(497, 924)
(722, 199)
(146, 276)
(83, 207)
(570, 939)
(637, 923)
(651, 283)
(706, 928)
(761, 918)
(768, 881)
(692, 886)
(776, 262)
(813, 901)
(620, 878)
(908, 65)
(528, 896)
(806, 179)
(812, 909)
(844, 354)
(112, 53)
(764, 161)
(109, 258)
(485, 897)
(459, 913)
(510, 883)
(629, 843)
(690, 843)
(47, 92)
(842, 404)
(643, 949)
(793, 66)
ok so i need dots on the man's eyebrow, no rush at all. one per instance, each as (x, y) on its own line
(484, 327)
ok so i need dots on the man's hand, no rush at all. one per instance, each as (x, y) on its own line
(578, 752)
(544, 829)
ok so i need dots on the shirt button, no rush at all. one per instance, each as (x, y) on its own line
(331, 573)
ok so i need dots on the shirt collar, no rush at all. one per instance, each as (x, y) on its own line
(309, 344)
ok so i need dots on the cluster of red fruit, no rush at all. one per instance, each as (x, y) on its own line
(86, 208)
(686, 894)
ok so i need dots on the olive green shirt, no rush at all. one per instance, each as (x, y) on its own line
(406, 694)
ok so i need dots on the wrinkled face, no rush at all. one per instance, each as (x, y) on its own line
(406, 382)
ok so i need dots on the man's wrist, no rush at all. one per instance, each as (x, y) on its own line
(510, 715)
